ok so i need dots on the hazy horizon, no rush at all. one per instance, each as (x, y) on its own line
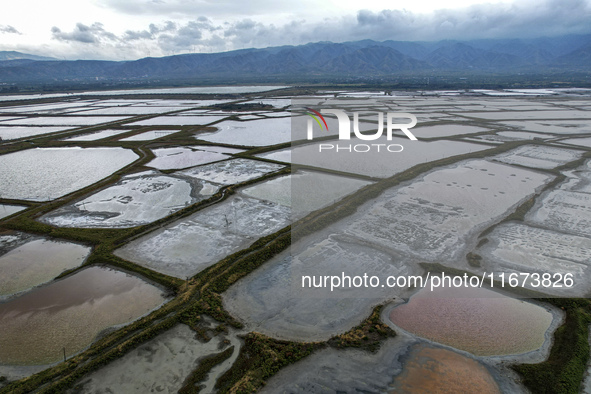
(112, 30)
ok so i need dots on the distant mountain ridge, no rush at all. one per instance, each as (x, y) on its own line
(365, 58)
(14, 55)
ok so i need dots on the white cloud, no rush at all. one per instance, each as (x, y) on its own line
(139, 28)
(93, 34)
(8, 29)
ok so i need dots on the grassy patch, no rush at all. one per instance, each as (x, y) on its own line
(367, 336)
(205, 366)
(260, 358)
(567, 362)
(474, 260)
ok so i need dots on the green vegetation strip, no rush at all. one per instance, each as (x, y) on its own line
(205, 366)
(260, 358)
(565, 367)
(368, 335)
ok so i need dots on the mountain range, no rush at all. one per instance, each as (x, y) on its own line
(13, 55)
(361, 59)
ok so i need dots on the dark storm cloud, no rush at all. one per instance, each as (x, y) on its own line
(525, 18)
(93, 34)
(8, 29)
(533, 19)
(518, 20)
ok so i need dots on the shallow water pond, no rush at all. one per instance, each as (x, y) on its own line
(305, 191)
(65, 120)
(179, 120)
(562, 210)
(159, 365)
(47, 173)
(36, 261)
(232, 171)
(183, 157)
(476, 320)
(433, 370)
(137, 199)
(273, 301)
(283, 155)
(380, 164)
(189, 245)
(432, 217)
(99, 135)
(7, 210)
(250, 133)
(70, 313)
(14, 132)
(536, 156)
(149, 135)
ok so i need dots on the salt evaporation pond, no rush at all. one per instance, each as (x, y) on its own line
(305, 191)
(281, 114)
(339, 371)
(5, 118)
(537, 156)
(543, 114)
(434, 370)
(219, 149)
(99, 135)
(476, 320)
(70, 313)
(283, 155)
(522, 248)
(191, 90)
(232, 171)
(433, 217)
(552, 126)
(149, 135)
(183, 157)
(399, 363)
(446, 130)
(383, 164)
(585, 142)
(136, 110)
(65, 120)
(137, 199)
(178, 120)
(29, 262)
(42, 174)
(275, 102)
(7, 210)
(250, 133)
(189, 245)
(271, 300)
(565, 211)
(578, 180)
(14, 132)
(520, 135)
(249, 117)
(159, 365)
(45, 108)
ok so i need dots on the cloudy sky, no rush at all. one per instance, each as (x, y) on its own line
(131, 29)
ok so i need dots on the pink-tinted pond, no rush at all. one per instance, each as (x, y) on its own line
(477, 320)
